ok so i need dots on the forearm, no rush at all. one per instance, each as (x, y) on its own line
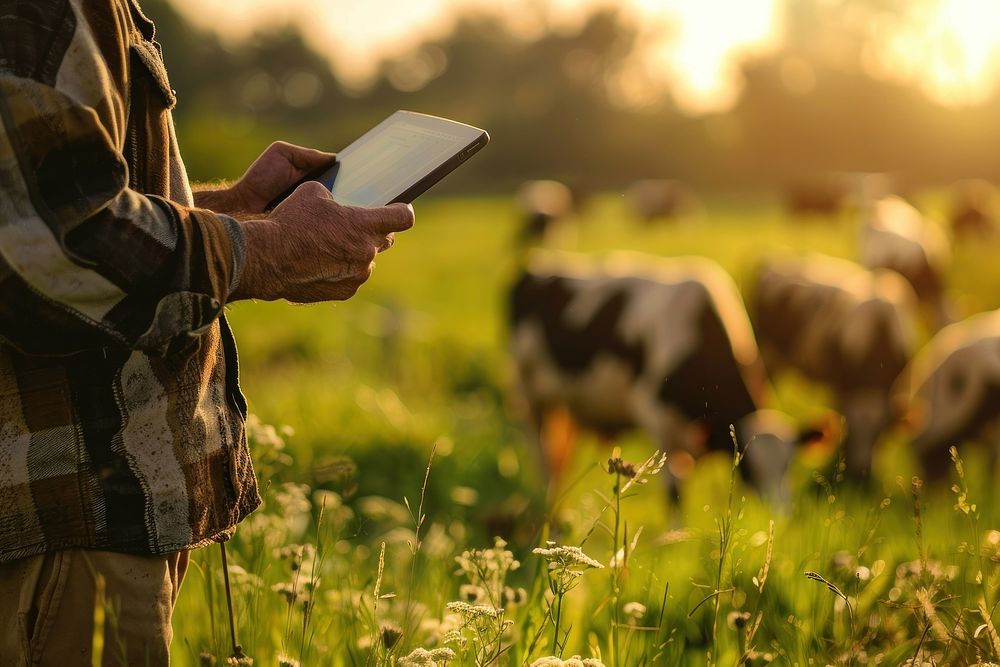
(143, 273)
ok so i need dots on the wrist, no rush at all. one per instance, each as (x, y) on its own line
(220, 201)
(259, 279)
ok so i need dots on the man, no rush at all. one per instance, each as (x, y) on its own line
(121, 419)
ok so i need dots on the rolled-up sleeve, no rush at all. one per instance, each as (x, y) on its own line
(85, 261)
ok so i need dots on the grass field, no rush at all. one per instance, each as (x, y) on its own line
(352, 560)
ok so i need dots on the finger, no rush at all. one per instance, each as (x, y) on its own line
(392, 218)
(305, 159)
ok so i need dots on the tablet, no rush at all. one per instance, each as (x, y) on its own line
(398, 159)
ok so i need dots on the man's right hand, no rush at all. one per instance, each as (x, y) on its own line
(310, 248)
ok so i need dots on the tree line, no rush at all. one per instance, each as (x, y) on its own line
(554, 110)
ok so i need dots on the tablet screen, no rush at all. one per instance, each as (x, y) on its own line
(397, 154)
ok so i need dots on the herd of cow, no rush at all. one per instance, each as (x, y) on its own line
(670, 346)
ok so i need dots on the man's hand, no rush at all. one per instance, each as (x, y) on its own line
(310, 248)
(277, 168)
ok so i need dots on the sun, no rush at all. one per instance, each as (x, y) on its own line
(954, 52)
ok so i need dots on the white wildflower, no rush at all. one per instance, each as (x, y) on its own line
(566, 556)
(634, 610)
(472, 611)
(443, 654)
(421, 656)
(418, 656)
(471, 593)
(453, 637)
(514, 596)
(575, 661)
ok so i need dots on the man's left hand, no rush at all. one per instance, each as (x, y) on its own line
(277, 168)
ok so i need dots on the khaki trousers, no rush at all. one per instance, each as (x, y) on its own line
(52, 608)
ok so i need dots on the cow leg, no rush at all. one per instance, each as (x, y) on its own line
(866, 414)
(557, 437)
(668, 429)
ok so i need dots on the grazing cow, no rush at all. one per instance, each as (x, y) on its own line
(660, 345)
(820, 196)
(844, 327)
(894, 235)
(951, 390)
(658, 198)
(973, 209)
(542, 204)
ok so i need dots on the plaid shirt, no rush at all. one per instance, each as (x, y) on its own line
(121, 419)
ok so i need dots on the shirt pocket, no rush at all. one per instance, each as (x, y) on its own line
(147, 147)
(147, 62)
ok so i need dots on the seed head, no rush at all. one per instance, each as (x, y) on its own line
(390, 635)
(617, 466)
(737, 620)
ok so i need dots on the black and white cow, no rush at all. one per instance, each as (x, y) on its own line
(635, 342)
(951, 390)
(896, 236)
(974, 209)
(824, 195)
(840, 325)
(661, 199)
(543, 204)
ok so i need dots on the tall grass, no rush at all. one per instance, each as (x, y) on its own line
(361, 555)
(316, 582)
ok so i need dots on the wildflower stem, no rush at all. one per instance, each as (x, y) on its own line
(555, 635)
(418, 522)
(616, 573)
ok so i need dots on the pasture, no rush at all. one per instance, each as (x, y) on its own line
(352, 559)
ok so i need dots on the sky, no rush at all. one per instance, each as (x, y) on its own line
(951, 50)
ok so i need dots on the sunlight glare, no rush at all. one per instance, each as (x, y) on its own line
(953, 53)
(971, 29)
(698, 57)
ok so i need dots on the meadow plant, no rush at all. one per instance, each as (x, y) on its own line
(439, 657)
(575, 661)
(315, 575)
(564, 567)
(486, 571)
(482, 629)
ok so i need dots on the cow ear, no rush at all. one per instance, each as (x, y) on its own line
(825, 434)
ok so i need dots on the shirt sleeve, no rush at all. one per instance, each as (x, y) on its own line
(85, 261)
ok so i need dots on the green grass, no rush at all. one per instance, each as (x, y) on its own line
(417, 361)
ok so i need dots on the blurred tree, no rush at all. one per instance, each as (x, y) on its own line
(556, 107)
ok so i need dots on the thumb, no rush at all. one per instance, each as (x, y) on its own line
(396, 217)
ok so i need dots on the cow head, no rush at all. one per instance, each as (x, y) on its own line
(771, 439)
